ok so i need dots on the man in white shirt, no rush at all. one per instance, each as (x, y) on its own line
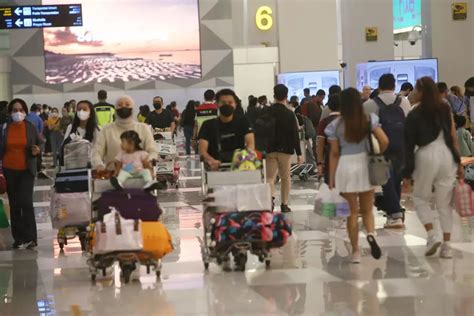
(387, 95)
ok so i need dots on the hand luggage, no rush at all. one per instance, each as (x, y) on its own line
(271, 229)
(131, 203)
(71, 181)
(463, 199)
(156, 239)
(251, 197)
(68, 209)
(115, 233)
(77, 154)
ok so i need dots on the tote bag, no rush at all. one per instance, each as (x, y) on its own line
(379, 166)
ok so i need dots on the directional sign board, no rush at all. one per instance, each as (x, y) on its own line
(40, 16)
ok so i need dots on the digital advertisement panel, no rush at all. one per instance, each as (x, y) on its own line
(298, 81)
(403, 70)
(125, 40)
(406, 15)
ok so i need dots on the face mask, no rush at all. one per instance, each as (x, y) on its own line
(83, 115)
(157, 106)
(469, 93)
(226, 110)
(18, 117)
(124, 113)
(54, 114)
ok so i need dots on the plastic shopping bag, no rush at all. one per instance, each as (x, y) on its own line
(342, 206)
(4, 223)
(325, 205)
(463, 199)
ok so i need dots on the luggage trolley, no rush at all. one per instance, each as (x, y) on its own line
(167, 170)
(225, 177)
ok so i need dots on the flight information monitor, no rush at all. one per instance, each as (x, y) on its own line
(40, 16)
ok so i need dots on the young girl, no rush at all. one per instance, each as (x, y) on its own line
(132, 162)
(55, 134)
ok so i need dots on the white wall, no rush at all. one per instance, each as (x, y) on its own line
(452, 42)
(356, 15)
(307, 35)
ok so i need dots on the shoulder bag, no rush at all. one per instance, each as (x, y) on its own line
(379, 166)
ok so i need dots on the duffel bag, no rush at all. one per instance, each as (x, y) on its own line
(73, 181)
(156, 239)
(115, 233)
(271, 228)
(131, 203)
(70, 209)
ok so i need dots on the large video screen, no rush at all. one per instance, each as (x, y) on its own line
(298, 81)
(403, 70)
(406, 15)
(125, 40)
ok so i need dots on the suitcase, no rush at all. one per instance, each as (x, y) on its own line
(73, 181)
(70, 209)
(131, 203)
(264, 227)
(156, 239)
(77, 154)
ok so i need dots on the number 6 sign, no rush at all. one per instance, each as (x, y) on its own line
(263, 18)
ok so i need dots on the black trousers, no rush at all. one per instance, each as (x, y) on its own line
(20, 186)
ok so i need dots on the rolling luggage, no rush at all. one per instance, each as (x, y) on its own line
(77, 154)
(73, 181)
(70, 209)
(131, 203)
(156, 239)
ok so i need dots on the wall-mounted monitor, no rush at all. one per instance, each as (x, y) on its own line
(314, 80)
(403, 70)
(126, 40)
(406, 15)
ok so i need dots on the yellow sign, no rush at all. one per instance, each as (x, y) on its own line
(263, 18)
(459, 11)
(371, 34)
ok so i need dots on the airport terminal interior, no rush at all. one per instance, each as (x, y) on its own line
(237, 157)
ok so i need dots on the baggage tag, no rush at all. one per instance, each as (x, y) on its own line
(62, 214)
(164, 167)
(166, 149)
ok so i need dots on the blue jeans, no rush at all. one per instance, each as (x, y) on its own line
(392, 191)
(188, 135)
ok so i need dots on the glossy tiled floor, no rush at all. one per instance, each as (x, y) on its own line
(309, 276)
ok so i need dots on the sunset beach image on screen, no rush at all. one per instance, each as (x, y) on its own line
(125, 40)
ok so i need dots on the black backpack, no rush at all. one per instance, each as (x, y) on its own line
(265, 129)
(392, 119)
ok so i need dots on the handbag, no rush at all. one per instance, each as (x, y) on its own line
(463, 199)
(379, 166)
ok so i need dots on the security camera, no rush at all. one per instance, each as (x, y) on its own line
(415, 35)
(343, 65)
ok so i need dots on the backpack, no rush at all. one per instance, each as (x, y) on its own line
(392, 119)
(265, 129)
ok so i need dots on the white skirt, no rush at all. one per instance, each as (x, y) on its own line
(352, 174)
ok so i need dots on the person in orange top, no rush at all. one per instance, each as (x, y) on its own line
(19, 149)
(55, 134)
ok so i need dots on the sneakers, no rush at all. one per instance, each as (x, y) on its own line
(432, 245)
(394, 223)
(17, 245)
(355, 257)
(374, 247)
(446, 252)
(30, 245)
(116, 184)
(43, 175)
(285, 209)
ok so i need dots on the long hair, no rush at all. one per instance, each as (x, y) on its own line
(356, 124)
(189, 113)
(430, 98)
(91, 126)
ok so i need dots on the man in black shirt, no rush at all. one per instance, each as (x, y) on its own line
(161, 118)
(220, 137)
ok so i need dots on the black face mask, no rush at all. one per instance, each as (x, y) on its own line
(469, 93)
(124, 113)
(226, 110)
(157, 106)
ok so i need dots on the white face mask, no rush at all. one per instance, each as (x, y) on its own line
(83, 115)
(54, 114)
(18, 116)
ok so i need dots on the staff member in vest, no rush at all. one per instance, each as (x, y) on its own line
(285, 145)
(206, 111)
(161, 118)
(220, 137)
(19, 150)
(108, 144)
(104, 111)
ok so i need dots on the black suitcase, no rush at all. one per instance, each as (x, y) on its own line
(72, 181)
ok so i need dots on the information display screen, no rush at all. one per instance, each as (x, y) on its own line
(314, 80)
(403, 70)
(40, 16)
(406, 15)
(126, 40)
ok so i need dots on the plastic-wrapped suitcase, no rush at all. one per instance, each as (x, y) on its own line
(131, 203)
(77, 154)
(71, 181)
(70, 209)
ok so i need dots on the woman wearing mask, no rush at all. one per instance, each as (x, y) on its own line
(188, 120)
(65, 120)
(55, 134)
(20, 146)
(84, 125)
(432, 159)
(108, 144)
(348, 135)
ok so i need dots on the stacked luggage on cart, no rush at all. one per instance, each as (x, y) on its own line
(71, 200)
(167, 169)
(126, 230)
(238, 216)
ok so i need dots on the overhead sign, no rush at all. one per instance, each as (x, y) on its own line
(263, 18)
(40, 16)
(406, 15)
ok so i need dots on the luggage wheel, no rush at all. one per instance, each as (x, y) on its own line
(61, 245)
(267, 263)
(158, 274)
(206, 266)
(126, 272)
(93, 278)
(240, 262)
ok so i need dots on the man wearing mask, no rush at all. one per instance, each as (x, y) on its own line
(220, 137)
(108, 143)
(161, 118)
